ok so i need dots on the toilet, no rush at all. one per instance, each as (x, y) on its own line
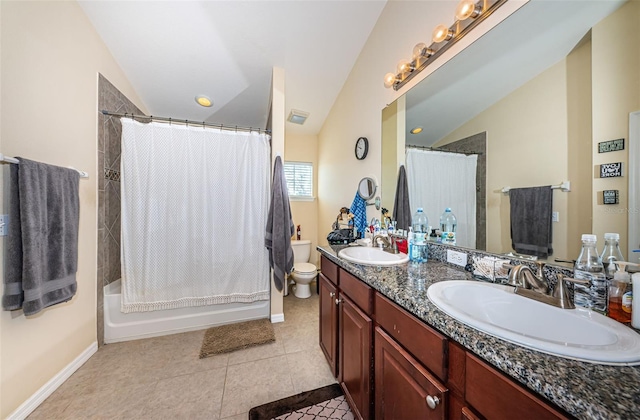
(303, 272)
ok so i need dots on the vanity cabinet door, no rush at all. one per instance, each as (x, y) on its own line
(404, 388)
(355, 359)
(497, 397)
(329, 323)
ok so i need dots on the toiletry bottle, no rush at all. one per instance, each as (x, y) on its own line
(620, 295)
(448, 225)
(298, 233)
(635, 304)
(419, 228)
(611, 253)
(589, 267)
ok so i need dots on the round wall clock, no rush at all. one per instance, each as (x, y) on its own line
(362, 148)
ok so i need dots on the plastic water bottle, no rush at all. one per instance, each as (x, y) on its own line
(589, 267)
(448, 226)
(418, 240)
(611, 253)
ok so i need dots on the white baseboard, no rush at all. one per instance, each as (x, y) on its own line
(54, 383)
(275, 318)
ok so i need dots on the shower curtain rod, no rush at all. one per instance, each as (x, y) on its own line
(460, 152)
(185, 122)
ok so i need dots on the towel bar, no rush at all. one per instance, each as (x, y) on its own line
(564, 186)
(7, 159)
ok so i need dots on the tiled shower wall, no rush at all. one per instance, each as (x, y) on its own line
(109, 132)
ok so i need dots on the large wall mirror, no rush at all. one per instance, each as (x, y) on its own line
(536, 95)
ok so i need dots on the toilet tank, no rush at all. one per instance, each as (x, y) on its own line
(301, 250)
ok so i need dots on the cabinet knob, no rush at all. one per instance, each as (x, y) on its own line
(432, 402)
(331, 294)
(338, 301)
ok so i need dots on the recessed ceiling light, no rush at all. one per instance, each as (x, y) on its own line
(416, 130)
(297, 117)
(204, 101)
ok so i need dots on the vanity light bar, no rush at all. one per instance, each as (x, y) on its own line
(446, 38)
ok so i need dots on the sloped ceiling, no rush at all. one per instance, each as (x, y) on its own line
(172, 51)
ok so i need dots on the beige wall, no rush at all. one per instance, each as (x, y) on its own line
(616, 93)
(526, 146)
(304, 148)
(357, 111)
(51, 56)
(277, 125)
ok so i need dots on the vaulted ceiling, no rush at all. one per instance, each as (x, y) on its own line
(172, 51)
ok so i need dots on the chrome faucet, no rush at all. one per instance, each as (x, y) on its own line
(388, 243)
(534, 286)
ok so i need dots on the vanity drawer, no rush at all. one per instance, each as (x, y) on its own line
(329, 269)
(495, 396)
(360, 293)
(424, 343)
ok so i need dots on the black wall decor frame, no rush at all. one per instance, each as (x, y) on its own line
(611, 170)
(610, 196)
(611, 146)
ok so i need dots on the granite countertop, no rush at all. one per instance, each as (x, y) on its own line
(585, 390)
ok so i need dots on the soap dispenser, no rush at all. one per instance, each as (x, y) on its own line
(620, 294)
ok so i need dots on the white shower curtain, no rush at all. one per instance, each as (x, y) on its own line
(194, 211)
(438, 180)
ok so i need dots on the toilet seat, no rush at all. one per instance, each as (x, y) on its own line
(304, 268)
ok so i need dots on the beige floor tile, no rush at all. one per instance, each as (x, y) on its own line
(255, 383)
(251, 354)
(126, 402)
(309, 370)
(51, 408)
(198, 395)
(242, 416)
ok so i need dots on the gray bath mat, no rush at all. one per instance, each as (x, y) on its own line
(228, 338)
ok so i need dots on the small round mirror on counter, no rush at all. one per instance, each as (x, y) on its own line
(367, 188)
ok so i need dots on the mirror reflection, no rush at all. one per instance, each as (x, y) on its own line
(366, 188)
(531, 100)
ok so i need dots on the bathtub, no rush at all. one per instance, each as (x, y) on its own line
(119, 326)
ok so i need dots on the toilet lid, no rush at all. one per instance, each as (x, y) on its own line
(301, 267)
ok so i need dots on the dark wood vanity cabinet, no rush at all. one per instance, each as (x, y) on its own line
(404, 389)
(391, 365)
(329, 322)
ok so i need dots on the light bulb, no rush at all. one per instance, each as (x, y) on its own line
(389, 80)
(467, 9)
(404, 66)
(419, 50)
(441, 33)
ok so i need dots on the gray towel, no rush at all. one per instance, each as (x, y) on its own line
(531, 228)
(47, 233)
(280, 227)
(401, 209)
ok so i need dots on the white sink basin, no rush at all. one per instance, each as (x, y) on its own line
(372, 256)
(572, 333)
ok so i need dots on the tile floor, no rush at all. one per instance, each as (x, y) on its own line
(163, 378)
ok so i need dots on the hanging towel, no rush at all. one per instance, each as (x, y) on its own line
(401, 209)
(359, 211)
(280, 227)
(46, 231)
(531, 220)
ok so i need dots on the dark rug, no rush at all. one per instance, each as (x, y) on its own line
(296, 402)
(231, 337)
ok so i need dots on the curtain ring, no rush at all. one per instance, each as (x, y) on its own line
(169, 120)
(236, 128)
(186, 122)
(203, 125)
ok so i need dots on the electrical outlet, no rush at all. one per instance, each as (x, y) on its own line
(555, 216)
(457, 258)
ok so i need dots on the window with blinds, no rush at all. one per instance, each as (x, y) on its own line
(299, 180)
